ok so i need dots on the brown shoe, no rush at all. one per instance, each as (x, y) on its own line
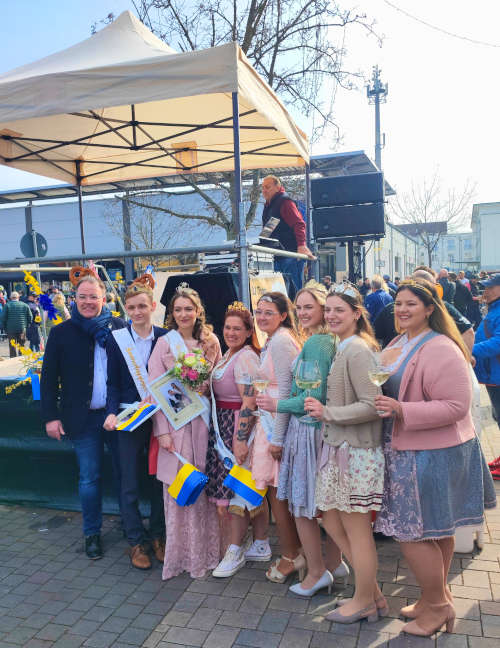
(158, 547)
(139, 558)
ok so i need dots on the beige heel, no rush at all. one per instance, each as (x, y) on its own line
(275, 576)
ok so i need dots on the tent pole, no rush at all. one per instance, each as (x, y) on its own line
(80, 203)
(311, 243)
(241, 240)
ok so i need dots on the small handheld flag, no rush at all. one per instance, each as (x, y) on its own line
(188, 483)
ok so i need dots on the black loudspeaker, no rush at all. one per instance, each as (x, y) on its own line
(347, 190)
(356, 220)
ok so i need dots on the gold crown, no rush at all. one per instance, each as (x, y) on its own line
(237, 306)
(184, 287)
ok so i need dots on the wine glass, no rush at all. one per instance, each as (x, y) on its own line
(260, 383)
(307, 377)
(379, 372)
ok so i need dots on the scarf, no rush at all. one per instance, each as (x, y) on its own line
(98, 327)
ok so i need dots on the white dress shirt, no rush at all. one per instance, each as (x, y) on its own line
(143, 344)
(99, 389)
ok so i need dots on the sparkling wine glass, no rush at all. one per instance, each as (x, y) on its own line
(260, 383)
(379, 372)
(307, 377)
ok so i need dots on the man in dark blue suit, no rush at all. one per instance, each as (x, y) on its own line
(128, 355)
(73, 397)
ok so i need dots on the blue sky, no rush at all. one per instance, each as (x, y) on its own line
(442, 108)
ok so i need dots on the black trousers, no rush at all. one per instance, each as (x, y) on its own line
(494, 393)
(133, 448)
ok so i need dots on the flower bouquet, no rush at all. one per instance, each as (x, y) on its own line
(191, 369)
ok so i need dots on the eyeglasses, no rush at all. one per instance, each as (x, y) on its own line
(258, 313)
(90, 298)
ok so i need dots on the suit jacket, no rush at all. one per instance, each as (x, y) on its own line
(68, 373)
(121, 385)
(435, 395)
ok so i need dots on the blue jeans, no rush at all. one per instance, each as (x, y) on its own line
(293, 267)
(89, 448)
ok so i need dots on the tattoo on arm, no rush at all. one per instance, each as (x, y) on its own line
(248, 390)
(244, 426)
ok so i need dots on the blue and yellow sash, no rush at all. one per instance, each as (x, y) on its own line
(139, 415)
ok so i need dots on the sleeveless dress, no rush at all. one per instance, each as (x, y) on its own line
(429, 493)
(226, 377)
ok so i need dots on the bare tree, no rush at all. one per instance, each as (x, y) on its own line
(149, 227)
(295, 45)
(432, 211)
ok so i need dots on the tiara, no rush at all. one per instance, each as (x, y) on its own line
(415, 284)
(236, 306)
(344, 289)
(266, 298)
(184, 287)
(312, 284)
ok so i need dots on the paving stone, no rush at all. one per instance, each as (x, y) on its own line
(323, 640)
(115, 624)
(372, 639)
(147, 621)
(288, 604)
(129, 611)
(221, 602)
(259, 639)
(480, 565)
(19, 635)
(221, 637)
(81, 604)
(410, 641)
(466, 609)
(101, 639)
(239, 588)
(474, 578)
(489, 607)
(255, 603)
(491, 625)
(8, 623)
(445, 640)
(153, 640)
(51, 632)
(274, 589)
(69, 641)
(316, 623)
(134, 635)
(239, 619)
(186, 636)
(295, 638)
(479, 593)
(177, 618)
(204, 619)
(479, 642)
(98, 613)
(189, 602)
(208, 587)
(53, 607)
(84, 627)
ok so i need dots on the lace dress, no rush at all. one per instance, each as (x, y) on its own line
(429, 493)
(226, 376)
(302, 445)
(276, 360)
(192, 532)
(350, 479)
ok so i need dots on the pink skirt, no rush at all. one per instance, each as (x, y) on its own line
(265, 469)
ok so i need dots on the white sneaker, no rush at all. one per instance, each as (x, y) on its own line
(232, 562)
(259, 552)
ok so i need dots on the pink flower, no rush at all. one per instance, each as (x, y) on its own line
(184, 372)
(193, 374)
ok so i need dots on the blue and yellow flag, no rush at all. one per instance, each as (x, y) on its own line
(187, 485)
(240, 481)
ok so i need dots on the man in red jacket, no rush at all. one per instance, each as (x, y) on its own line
(290, 231)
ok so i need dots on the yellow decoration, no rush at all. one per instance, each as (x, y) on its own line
(115, 313)
(38, 319)
(31, 360)
(32, 283)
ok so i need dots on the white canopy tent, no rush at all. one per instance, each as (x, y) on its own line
(122, 105)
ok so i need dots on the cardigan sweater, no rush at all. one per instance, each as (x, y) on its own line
(435, 396)
(350, 414)
(319, 348)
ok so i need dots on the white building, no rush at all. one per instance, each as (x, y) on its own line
(485, 225)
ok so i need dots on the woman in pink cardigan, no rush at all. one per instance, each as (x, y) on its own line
(436, 479)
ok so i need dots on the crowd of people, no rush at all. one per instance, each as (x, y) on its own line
(341, 435)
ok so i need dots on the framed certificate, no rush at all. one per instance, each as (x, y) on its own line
(179, 404)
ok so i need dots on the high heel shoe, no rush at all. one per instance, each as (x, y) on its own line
(369, 613)
(381, 603)
(415, 628)
(326, 580)
(299, 565)
(412, 611)
(342, 573)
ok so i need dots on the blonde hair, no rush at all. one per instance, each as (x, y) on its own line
(138, 289)
(59, 300)
(319, 293)
(201, 329)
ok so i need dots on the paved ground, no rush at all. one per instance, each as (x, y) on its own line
(52, 596)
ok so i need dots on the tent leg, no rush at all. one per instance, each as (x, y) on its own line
(80, 204)
(311, 243)
(241, 241)
(127, 240)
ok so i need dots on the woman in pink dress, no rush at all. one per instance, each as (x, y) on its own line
(192, 532)
(274, 316)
